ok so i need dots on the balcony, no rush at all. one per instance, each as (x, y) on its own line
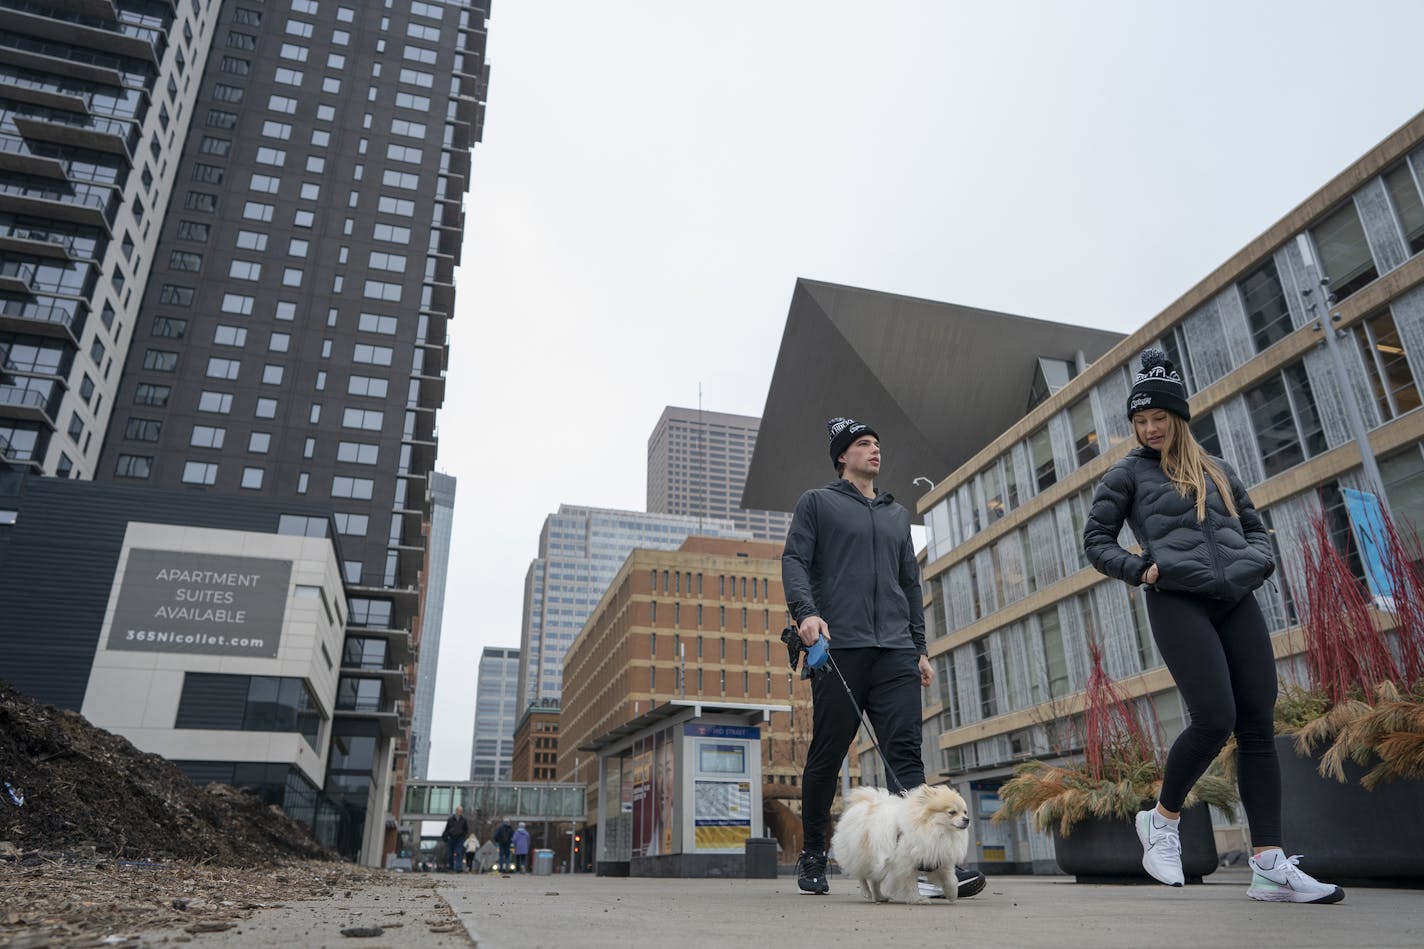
(43, 320)
(15, 156)
(398, 646)
(121, 38)
(405, 602)
(65, 59)
(97, 132)
(387, 723)
(81, 204)
(393, 684)
(39, 242)
(25, 405)
(10, 457)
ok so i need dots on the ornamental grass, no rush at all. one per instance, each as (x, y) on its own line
(1120, 774)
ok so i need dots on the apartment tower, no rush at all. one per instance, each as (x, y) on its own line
(95, 104)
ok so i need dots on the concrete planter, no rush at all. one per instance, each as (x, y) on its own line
(1346, 833)
(1108, 851)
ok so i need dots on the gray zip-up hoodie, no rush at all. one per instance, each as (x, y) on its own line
(849, 560)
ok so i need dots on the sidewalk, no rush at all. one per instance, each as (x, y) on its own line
(578, 911)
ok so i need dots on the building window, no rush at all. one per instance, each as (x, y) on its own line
(252, 478)
(1390, 377)
(1040, 450)
(192, 231)
(216, 402)
(223, 368)
(1265, 303)
(1174, 344)
(1288, 427)
(133, 466)
(159, 360)
(249, 703)
(1404, 192)
(207, 436)
(175, 295)
(170, 327)
(149, 394)
(1055, 660)
(1204, 431)
(984, 665)
(358, 488)
(200, 472)
(1344, 252)
(224, 335)
(1084, 429)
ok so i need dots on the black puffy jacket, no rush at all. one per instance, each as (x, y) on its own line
(1222, 557)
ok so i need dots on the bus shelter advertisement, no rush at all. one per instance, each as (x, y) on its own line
(209, 604)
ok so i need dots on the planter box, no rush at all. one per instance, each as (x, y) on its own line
(1345, 832)
(1108, 851)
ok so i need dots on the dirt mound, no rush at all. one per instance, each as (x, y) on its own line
(84, 787)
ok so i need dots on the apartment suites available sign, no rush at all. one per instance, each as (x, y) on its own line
(210, 604)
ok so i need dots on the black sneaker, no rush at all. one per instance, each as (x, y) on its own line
(811, 874)
(971, 883)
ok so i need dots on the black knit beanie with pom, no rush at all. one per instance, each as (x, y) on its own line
(1158, 386)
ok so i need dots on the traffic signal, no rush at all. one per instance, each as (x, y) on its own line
(578, 838)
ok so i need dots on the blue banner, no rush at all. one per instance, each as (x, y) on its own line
(1367, 520)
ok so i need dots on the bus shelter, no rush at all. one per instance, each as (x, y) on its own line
(679, 790)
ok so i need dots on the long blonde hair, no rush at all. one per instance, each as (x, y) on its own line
(1187, 466)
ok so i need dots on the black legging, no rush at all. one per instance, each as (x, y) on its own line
(886, 684)
(1220, 655)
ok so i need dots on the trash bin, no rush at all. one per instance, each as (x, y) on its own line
(543, 863)
(761, 858)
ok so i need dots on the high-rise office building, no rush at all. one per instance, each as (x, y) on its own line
(697, 467)
(442, 516)
(496, 713)
(278, 328)
(580, 550)
(95, 103)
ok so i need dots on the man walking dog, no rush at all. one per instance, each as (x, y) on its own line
(850, 576)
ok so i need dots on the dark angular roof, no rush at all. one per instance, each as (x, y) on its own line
(937, 381)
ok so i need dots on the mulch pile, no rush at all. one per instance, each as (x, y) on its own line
(88, 792)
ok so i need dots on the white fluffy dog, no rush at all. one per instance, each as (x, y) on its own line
(887, 840)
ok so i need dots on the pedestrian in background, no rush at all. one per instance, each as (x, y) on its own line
(521, 849)
(456, 829)
(1204, 551)
(504, 837)
(472, 850)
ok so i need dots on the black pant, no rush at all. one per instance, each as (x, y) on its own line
(886, 685)
(1220, 655)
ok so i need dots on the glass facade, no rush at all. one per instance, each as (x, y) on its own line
(496, 715)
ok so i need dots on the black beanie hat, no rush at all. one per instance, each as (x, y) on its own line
(1158, 386)
(843, 432)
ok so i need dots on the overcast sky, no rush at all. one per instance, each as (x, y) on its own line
(654, 177)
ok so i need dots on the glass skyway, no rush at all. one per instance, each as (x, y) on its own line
(487, 800)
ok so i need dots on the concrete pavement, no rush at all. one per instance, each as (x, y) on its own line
(579, 911)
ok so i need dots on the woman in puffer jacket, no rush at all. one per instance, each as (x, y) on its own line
(1204, 550)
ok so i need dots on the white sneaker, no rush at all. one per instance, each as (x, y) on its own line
(1276, 878)
(1161, 847)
